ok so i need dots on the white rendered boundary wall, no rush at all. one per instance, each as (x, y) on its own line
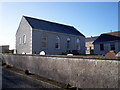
(82, 73)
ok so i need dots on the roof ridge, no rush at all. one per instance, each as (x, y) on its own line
(111, 32)
(48, 26)
(48, 21)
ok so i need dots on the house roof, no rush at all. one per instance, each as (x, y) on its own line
(52, 26)
(89, 39)
(108, 37)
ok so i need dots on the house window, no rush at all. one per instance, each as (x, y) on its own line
(112, 46)
(57, 44)
(78, 43)
(24, 39)
(68, 43)
(90, 48)
(101, 47)
(20, 41)
(44, 38)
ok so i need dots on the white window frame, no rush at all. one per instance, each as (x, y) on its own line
(68, 44)
(44, 40)
(112, 45)
(78, 43)
(24, 39)
(57, 42)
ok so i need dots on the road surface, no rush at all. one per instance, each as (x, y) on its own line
(11, 79)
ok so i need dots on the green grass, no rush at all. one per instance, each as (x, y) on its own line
(86, 55)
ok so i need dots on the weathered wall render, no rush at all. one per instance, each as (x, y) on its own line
(83, 73)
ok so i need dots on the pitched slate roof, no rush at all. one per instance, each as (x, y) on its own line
(52, 26)
(108, 37)
(89, 39)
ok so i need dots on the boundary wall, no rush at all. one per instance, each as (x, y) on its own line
(79, 72)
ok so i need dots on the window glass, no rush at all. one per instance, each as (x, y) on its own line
(57, 44)
(44, 39)
(101, 47)
(78, 43)
(68, 43)
(24, 39)
(112, 46)
(90, 48)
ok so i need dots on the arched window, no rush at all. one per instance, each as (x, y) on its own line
(68, 43)
(78, 43)
(24, 39)
(44, 40)
(57, 44)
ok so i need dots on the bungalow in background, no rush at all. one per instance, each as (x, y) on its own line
(107, 42)
(36, 35)
(89, 44)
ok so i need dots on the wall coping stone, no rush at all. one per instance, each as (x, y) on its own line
(117, 58)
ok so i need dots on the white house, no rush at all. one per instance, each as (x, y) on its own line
(36, 35)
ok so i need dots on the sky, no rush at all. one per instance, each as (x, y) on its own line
(90, 18)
